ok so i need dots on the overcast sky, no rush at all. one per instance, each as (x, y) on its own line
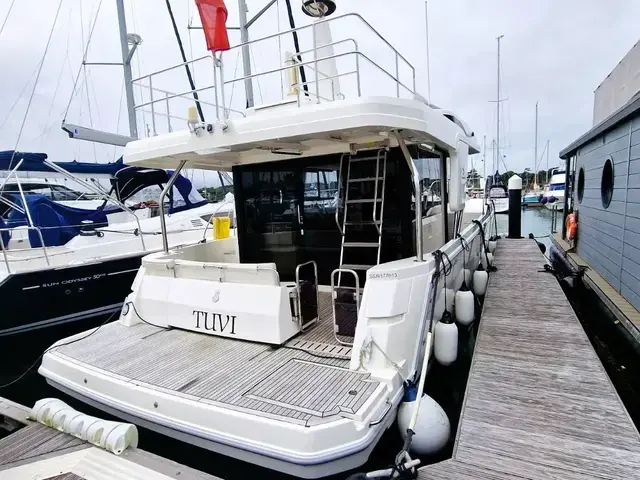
(553, 52)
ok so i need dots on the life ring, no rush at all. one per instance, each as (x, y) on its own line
(572, 226)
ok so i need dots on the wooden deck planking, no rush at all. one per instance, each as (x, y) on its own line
(539, 403)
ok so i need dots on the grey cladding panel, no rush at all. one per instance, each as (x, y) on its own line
(632, 252)
(586, 219)
(633, 224)
(602, 215)
(632, 297)
(632, 238)
(603, 249)
(610, 272)
(616, 206)
(634, 181)
(608, 241)
(633, 209)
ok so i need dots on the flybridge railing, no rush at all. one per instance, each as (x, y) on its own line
(331, 70)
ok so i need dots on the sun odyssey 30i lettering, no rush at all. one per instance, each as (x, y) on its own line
(296, 356)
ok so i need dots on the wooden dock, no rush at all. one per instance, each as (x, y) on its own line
(36, 451)
(539, 404)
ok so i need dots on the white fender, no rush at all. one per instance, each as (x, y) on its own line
(114, 437)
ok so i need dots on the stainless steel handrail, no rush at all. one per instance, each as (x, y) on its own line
(30, 220)
(356, 294)
(312, 64)
(333, 19)
(375, 192)
(338, 199)
(165, 191)
(164, 70)
(299, 293)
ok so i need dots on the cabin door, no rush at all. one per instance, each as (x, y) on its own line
(273, 224)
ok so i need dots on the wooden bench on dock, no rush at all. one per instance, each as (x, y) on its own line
(539, 404)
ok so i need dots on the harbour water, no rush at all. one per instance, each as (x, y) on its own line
(446, 384)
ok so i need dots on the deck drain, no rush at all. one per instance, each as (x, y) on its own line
(353, 392)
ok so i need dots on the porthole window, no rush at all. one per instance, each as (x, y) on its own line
(606, 185)
(580, 184)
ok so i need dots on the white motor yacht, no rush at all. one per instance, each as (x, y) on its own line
(290, 345)
(553, 197)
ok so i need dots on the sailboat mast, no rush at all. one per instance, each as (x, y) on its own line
(484, 171)
(497, 156)
(547, 174)
(535, 151)
(126, 66)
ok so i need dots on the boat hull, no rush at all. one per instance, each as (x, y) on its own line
(306, 470)
(48, 298)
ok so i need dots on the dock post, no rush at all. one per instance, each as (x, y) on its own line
(515, 207)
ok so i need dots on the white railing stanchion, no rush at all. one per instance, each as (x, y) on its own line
(166, 99)
(153, 112)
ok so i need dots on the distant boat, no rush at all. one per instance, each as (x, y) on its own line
(553, 197)
(497, 194)
(532, 199)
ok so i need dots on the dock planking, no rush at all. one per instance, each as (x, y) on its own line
(33, 450)
(539, 404)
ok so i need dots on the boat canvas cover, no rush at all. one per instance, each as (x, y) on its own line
(131, 180)
(34, 162)
(58, 223)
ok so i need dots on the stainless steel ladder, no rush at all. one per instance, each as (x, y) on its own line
(345, 319)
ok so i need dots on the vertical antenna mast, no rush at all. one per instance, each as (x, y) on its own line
(246, 55)
(498, 110)
(426, 22)
(126, 66)
(547, 174)
(484, 170)
(535, 150)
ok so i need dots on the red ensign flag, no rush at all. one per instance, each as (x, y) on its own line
(213, 15)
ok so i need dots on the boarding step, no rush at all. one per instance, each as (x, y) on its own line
(362, 222)
(365, 200)
(363, 159)
(355, 266)
(361, 244)
(364, 179)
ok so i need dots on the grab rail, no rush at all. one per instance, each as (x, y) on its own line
(301, 323)
(338, 199)
(165, 191)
